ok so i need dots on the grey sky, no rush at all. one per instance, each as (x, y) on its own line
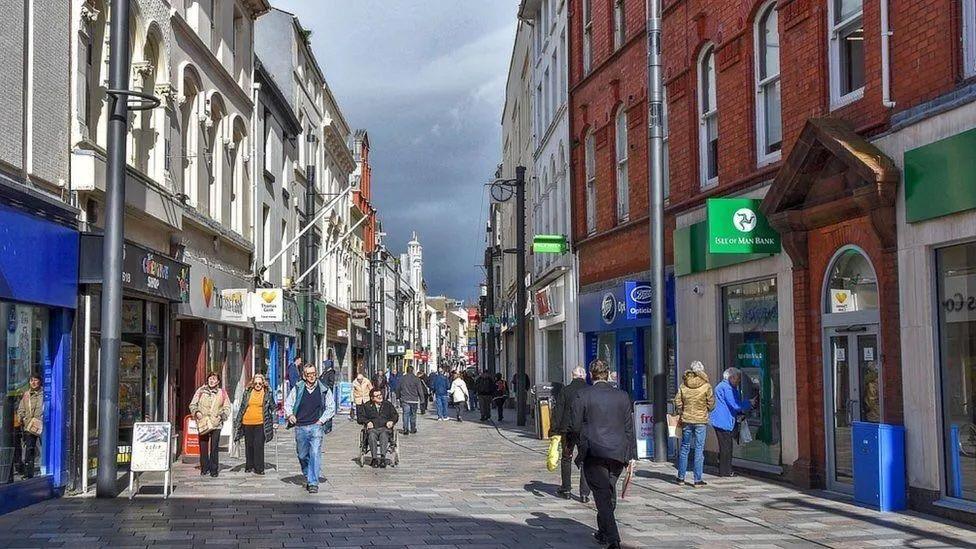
(426, 78)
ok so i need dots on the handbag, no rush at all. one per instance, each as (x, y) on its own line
(35, 426)
(674, 426)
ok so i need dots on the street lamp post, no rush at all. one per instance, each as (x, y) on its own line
(310, 260)
(502, 192)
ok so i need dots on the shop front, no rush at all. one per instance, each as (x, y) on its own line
(214, 333)
(337, 339)
(38, 298)
(557, 343)
(151, 283)
(615, 320)
(937, 264)
(735, 310)
(360, 350)
(833, 204)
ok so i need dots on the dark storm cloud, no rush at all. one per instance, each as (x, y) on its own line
(426, 78)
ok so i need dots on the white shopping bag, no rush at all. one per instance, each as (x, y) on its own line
(745, 435)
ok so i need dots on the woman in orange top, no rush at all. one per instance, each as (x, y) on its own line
(255, 423)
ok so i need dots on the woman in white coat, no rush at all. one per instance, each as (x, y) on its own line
(459, 394)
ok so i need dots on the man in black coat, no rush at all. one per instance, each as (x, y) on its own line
(485, 388)
(379, 417)
(410, 392)
(562, 423)
(603, 417)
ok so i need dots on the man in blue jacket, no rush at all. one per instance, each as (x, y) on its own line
(440, 385)
(728, 406)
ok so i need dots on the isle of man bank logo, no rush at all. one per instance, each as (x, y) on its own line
(744, 219)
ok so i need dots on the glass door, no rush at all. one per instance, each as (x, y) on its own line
(853, 394)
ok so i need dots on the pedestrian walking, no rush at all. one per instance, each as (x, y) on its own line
(728, 407)
(441, 386)
(501, 396)
(459, 395)
(30, 413)
(311, 407)
(379, 416)
(485, 388)
(360, 393)
(295, 372)
(328, 370)
(394, 385)
(602, 416)
(562, 424)
(425, 399)
(210, 408)
(693, 402)
(410, 392)
(254, 423)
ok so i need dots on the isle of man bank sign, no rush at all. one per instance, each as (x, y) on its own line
(736, 226)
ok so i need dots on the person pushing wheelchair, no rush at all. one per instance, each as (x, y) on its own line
(379, 417)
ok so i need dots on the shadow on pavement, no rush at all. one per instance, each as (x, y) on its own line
(541, 489)
(922, 538)
(304, 520)
(299, 480)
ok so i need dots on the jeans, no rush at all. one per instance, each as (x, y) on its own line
(409, 416)
(692, 433)
(441, 401)
(308, 441)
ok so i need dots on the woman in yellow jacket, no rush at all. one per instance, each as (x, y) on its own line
(694, 400)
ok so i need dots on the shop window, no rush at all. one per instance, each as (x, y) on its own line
(606, 349)
(846, 51)
(750, 321)
(852, 285)
(25, 354)
(956, 267)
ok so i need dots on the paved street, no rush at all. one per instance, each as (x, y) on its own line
(459, 485)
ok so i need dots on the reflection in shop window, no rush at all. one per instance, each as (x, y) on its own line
(957, 349)
(852, 285)
(751, 343)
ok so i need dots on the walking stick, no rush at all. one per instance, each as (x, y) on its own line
(630, 473)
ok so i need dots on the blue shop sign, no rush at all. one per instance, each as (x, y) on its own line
(38, 259)
(627, 305)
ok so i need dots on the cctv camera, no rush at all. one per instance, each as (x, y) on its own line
(698, 290)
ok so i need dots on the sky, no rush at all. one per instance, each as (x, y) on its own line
(426, 79)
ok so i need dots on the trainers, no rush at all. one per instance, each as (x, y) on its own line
(680, 481)
(313, 489)
(700, 483)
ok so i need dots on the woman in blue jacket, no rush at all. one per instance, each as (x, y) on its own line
(728, 406)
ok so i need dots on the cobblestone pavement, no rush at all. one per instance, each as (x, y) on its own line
(459, 485)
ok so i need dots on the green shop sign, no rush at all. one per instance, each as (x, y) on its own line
(550, 244)
(736, 226)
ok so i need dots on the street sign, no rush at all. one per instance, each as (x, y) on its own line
(550, 244)
(736, 226)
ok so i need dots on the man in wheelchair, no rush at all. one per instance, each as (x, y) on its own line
(378, 417)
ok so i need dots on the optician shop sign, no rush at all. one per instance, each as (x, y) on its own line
(736, 226)
(626, 305)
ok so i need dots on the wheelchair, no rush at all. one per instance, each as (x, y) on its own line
(392, 451)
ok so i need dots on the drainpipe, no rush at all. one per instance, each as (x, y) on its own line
(886, 56)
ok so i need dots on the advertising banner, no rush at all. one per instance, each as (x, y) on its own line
(736, 226)
(151, 446)
(345, 396)
(644, 429)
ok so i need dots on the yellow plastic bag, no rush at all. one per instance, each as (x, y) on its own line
(555, 453)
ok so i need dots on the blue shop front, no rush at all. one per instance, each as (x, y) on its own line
(38, 296)
(616, 324)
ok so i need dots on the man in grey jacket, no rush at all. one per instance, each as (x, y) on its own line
(410, 392)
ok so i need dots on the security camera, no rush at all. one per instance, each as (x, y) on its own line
(697, 290)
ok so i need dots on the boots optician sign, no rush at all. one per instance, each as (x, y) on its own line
(736, 226)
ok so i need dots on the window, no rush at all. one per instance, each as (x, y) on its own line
(590, 161)
(554, 83)
(563, 86)
(538, 113)
(750, 321)
(619, 24)
(214, 31)
(283, 260)
(769, 127)
(623, 183)
(969, 37)
(667, 147)
(846, 51)
(266, 252)
(708, 112)
(587, 36)
(547, 108)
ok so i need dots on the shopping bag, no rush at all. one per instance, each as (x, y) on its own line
(555, 453)
(674, 426)
(745, 435)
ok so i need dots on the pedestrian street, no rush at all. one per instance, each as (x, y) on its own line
(469, 485)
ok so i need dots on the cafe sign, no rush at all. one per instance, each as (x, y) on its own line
(736, 226)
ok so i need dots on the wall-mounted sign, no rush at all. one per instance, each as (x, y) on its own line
(233, 303)
(143, 270)
(359, 313)
(550, 244)
(408, 354)
(215, 293)
(736, 226)
(267, 305)
(842, 301)
(637, 299)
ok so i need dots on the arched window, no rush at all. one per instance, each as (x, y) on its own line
(623, 179)
(190, 124)
(214, 134)
(589, 160)
(769, 127)
(91, 48)
(852, 285)
(238, 177)
(147, 132)
(708, 118)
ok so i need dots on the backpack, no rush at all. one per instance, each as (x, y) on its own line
(501, 388)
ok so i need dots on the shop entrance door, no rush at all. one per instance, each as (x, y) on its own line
(625, 366)
(853, 393)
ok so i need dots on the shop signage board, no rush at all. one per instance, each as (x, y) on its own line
(215, 294)
(550, 244)
(345, 396)
(143, 270)
(234, 304)
(644, 429)
(637, 299)
(408, 354)
(622, 306)
(736, 226)
(267, 305)
(151, 452)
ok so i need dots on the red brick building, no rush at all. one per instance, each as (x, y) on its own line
(814, 107)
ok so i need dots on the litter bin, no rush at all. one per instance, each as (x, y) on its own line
(541, 402)
(878, 454)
